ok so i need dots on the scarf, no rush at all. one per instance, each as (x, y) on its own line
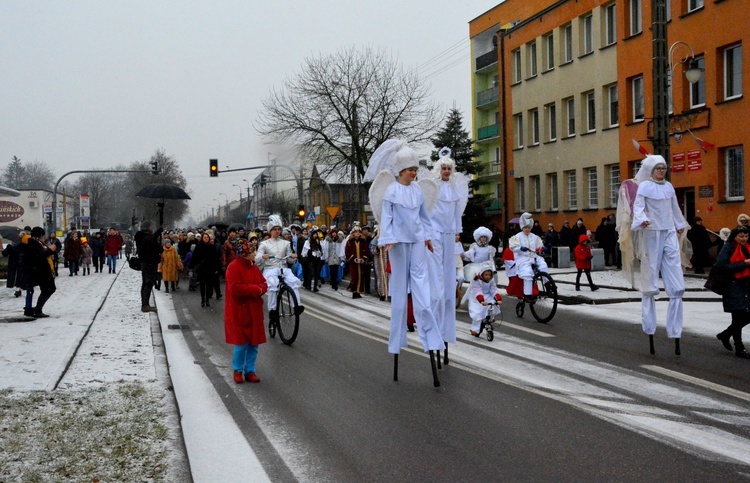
(741, 253)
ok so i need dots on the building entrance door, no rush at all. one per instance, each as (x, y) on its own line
(686, 200)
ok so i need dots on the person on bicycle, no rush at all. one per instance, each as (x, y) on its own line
(273, 254)
(527, 248)
(483, 291)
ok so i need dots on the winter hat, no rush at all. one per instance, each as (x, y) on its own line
(167, 241)
(583, 238)
(480, 232)
(244, 248)
(647, 167)
(724, 233)
(740, 219)
(486, 266)
(526, 220)
(274, 221)
(406, 158)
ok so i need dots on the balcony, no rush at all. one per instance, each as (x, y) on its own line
(495, 206)
(488, 98)
(488, 132)
(486, 60)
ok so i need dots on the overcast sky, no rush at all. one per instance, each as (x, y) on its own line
(89, 84)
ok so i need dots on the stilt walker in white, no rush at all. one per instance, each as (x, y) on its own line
(402, 210)
(657, 216)
(453, 195)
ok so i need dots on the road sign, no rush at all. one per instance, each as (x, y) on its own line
(48, 207)
(310, 216)
(250, 215)
(333, 211)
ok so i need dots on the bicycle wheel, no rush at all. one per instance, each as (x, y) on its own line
(490, 332)
(545, 306)
(271, 327)
(519, 309)
(286, 303)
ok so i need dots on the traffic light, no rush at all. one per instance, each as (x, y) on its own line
(154, 167)
(214, 167)
(301, 212)
(263, 178)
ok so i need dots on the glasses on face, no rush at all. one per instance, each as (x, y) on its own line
(660, 168)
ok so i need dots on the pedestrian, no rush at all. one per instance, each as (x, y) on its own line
(312, 253)
(243, 311)
(112, 246)
(73, 252)
(170, 265)
(583, 258)
(86, 254)
(17, 273)
(578, 229)
(603, 239)
(743, 220)
(58, 248)
(565, 234)
(334, 255)
(734, 261)
(551, 238)
(482, 292)
(358, 255)
(128, 247)
(206, 265)
(39, 269)
(527, 248)
(97, 251)
(698, 236)
(406, 234)
(381, 266)
(367, 236)
(657, 216)
(149, 254)
(537, 229)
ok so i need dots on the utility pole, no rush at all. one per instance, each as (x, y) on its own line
(661, 86)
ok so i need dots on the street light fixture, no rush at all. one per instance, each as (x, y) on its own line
(240, 187)
(692, 74)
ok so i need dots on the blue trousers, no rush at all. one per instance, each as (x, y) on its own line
(112, 262)
(244, 358)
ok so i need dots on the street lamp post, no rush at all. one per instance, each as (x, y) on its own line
(240, 187)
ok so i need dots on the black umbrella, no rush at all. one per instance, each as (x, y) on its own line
(218, 224)
(163, 191)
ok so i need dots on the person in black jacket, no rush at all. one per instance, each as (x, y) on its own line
(58, 247)
(734, 261)
(698, 236)
(206, 264)
(38, 268)
(149, 255)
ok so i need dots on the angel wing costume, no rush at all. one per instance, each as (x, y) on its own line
(403, 216)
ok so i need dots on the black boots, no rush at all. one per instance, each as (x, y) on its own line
(724, 338)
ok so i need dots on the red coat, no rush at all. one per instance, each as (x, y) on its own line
(112, 244)
(583, 253)
(243, 305)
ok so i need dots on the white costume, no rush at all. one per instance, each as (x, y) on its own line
(525, 249)
(459, 257)
(656, 203)
(404, 222)
(446, 223)
(277, 249)
(481, 291)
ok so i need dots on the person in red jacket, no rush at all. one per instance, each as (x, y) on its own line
(112, 247)
(583, 257)
(243, 311)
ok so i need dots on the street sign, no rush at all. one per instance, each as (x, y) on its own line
(310, 216)
(333, 211)
(48, 207)
(250, 215)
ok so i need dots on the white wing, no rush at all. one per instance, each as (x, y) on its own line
(377, 192)
(462, 187)
(383, 158)
(430, 191)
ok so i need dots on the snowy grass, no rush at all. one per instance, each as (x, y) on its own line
(108, 433)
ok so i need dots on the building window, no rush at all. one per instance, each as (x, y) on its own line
(570, 177)
(518, 130)
(592, 188)
(610, 24)
(553, 196)
(694, 5)
(520, 194)
(590, 103)
(733, 72)
(570, 117)
(534, 128)
(496, 160)
(734, 173)
(614, 184)
(635, 11)
(639, 106)
(568, 43)
(698, 90)
(587, 37)
(536, 193)
(551, 110)
(613, 105)
(549, 52)
(516, 60)
(532, 59)
(498, 191)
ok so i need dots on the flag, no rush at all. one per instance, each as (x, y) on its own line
(640, 148)
(705, 145)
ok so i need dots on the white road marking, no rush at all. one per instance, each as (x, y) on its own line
(699, 382)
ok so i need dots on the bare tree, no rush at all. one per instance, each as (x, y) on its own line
(343, 106)
(32, 175)
(169, 172)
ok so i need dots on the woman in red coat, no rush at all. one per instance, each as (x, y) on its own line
(583, 257)
(243, 311)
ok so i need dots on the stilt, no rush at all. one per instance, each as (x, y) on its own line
(677, 346)
(445, 360)
(435, 380)
(439, 361)
(395, 367)
(651, 343)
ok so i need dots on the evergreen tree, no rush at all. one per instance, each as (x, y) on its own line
(454, 136)
(15, 174)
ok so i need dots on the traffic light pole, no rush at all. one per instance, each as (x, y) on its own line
(296, 178)
(59, 180)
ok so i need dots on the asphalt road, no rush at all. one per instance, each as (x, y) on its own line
(574, 400)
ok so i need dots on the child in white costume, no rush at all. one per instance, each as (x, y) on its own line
(525, 246)
(405, 234)
(482, 291)
(481, 250)
(657, 216)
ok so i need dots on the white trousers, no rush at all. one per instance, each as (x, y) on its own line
(662, 255)
(442, 263)
(272, 280)
(409, 272)
(526, 272)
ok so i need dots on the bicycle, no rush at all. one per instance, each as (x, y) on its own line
(488, 324)
(287, 308)
(543, 302)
